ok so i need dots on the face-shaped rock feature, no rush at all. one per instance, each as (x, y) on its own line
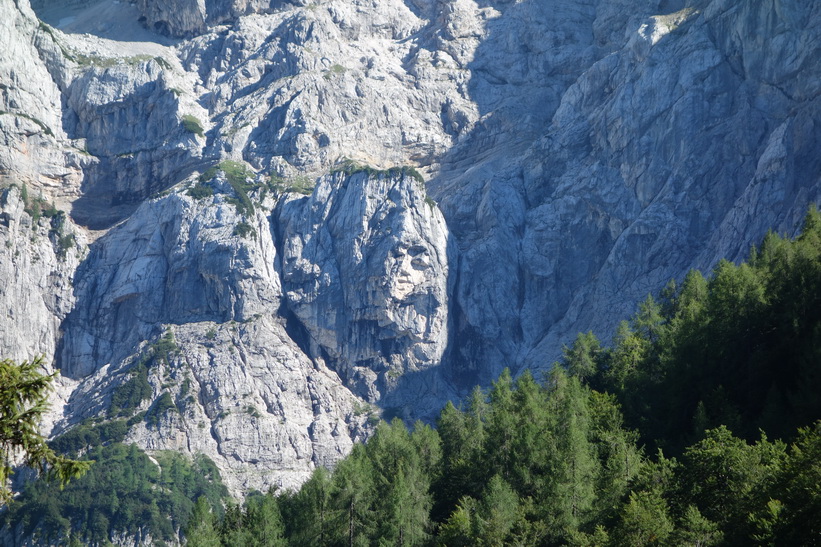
(371, 231)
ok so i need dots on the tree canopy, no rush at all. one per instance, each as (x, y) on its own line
(699, 425)
(23, 400)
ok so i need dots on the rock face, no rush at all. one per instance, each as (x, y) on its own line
(189, 17)
(38, 257)
(129, 115)
(668, 153)
(244, 392)
(578, 155)
(365, 264)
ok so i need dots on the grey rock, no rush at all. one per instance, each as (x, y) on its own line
(130, 117)
(187, 18)
(37, 263)
(245, 393)
(175, 260)
(366, 270)
(660, 156)
(581, 153)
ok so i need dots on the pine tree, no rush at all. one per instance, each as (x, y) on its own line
(264, 522)
(23, 396)
(400, 484)
(576, 465)
(500, 428)
(694, 530)
(497, 514)
(581, 358)
(463, 437)
(644, 521)
(201, 531)
(352, 496)
(620, 460)
(307, 513)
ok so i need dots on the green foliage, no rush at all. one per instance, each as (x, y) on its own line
(243, 229)
(201, 531)
(644, 520)
(350, 167)
(200, 191)
(740, 349)
(193, 125)
(123, 492)
(694, 529)
(208, 174)
(158, 410)
(796, 519)
(239, 177)
(725, 477)
(38, 207)
(556, 463)
(301, 185)
(336, 69)
(525, 463)
(88, 434)
(307, 513)
(251, 410)
(236, 172)
(401, 483)
(580, 358)
(23, 395)
(130, 394)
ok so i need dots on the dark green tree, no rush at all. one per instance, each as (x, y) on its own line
(352, 498)
(202, 531)
(582, 357)
(645, 520)
(568, 500)
(23, 400)
(727, 479)
(307, 513)
(401, 485)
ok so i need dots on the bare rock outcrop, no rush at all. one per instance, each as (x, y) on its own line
(39, 252)
(186, 18)
(675, 146)
(366, 270)
(201, 272)
(580, 153)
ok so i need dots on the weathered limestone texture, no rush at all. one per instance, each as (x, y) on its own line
(578, 154)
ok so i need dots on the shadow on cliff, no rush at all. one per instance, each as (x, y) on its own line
(514, 106)
(496, 174)
(531, 53)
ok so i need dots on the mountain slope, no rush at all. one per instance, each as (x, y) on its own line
(578, 155)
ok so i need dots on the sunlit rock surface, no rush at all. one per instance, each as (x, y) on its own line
(577, 156)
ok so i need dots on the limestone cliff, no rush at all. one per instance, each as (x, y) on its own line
(246, 191)
(365, 269)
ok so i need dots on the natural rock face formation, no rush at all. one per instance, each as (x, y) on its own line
(129, 115)
(580, 154)
(682, 146)
(244, 392)
(38, 258)
(189, 17)
(365, 264)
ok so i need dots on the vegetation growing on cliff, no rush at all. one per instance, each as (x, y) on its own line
(698, 425)
(556, 463)
(23, 395)
(124, 493)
